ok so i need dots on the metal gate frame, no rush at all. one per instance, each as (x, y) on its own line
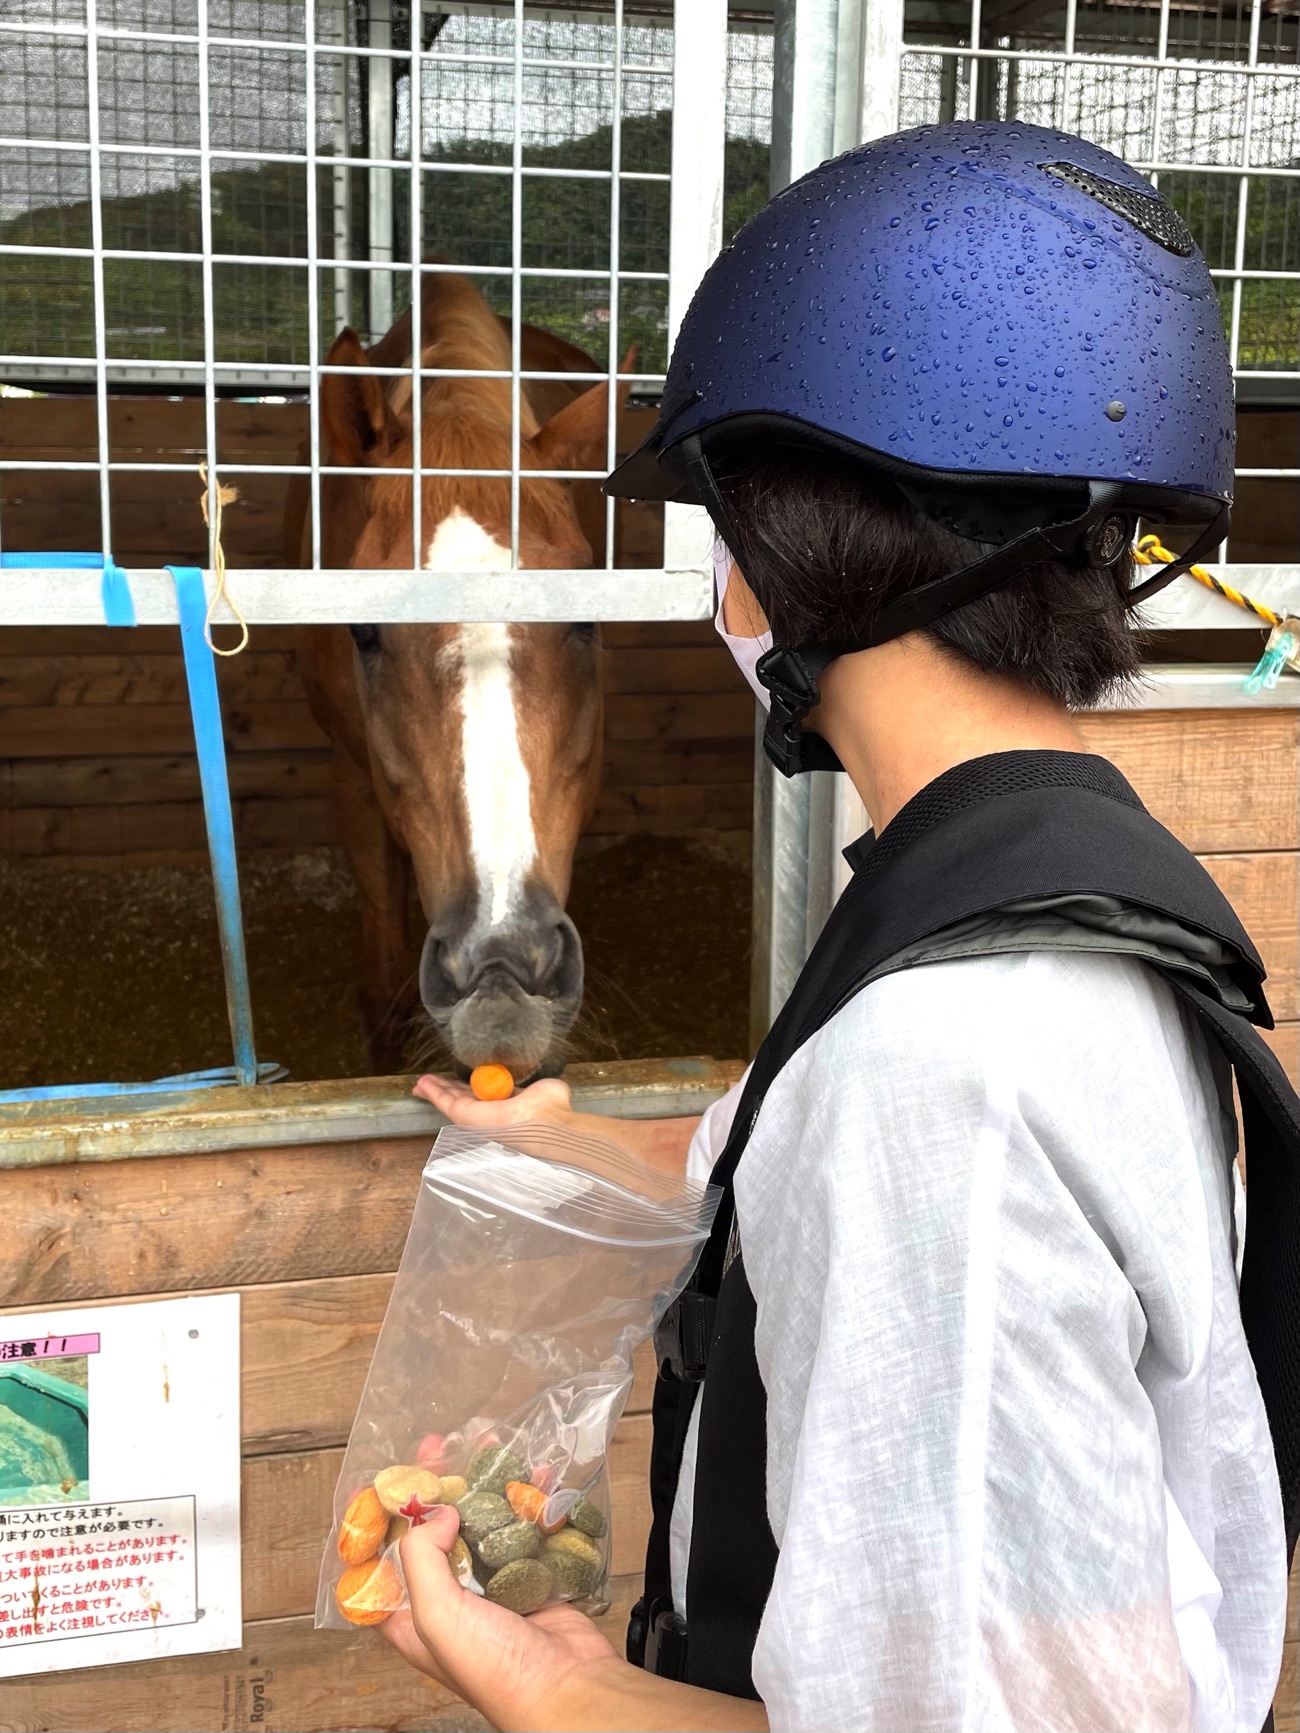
(838, 68)
(90, 589)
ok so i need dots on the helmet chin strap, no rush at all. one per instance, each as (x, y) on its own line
(791, 675)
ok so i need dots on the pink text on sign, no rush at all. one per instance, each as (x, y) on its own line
(48, 1347)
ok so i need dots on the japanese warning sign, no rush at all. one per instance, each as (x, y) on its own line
(119, 1483)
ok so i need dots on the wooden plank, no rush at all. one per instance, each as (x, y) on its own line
(673, 811)
(631, 765)
(255, 677)
(85, 833)
(177, 1223)
(700, 716)
(66, 731)
(111, 640)
(697, 668)
(287, 1678)
(1265, 891)
(288, 1503)
(1221, 780)
(1285, 1042)
(1286, 1700)
(658, 634)
(136, 779)
(158, 778)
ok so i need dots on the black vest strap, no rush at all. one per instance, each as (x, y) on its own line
(989, 833)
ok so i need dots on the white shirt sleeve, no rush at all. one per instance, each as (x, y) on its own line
(957, 1328)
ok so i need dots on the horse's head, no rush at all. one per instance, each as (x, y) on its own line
(483, 740)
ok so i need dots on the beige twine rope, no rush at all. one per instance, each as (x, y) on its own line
(214, 499)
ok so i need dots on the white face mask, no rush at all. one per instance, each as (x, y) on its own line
(745, 652)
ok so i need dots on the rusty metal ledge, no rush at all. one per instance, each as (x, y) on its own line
(201, 1121)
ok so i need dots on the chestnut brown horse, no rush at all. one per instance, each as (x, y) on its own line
(467, 756)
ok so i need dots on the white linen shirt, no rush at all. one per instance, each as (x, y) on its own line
(1018, 1466)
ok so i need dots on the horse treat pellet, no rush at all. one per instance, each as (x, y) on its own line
(408, 1492)
(480, 1513)
(515, 1540)
(523, 1586)
(493, 1469)
(491, 1083)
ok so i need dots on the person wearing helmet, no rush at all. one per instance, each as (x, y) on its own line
(965, 1417)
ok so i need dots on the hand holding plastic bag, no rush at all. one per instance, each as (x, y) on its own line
(537, 1262)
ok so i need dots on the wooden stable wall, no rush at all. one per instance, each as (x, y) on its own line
(310, 1236)
(97, 753)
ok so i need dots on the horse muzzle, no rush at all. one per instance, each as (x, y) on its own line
(506, 995)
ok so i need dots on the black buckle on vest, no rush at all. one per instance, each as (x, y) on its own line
(684, 1337)
(666, 1647)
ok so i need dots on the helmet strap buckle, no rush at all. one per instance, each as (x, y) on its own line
(790, 677)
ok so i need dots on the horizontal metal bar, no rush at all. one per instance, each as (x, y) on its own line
(341, 597)
(261, 44)
(373, 473)
(198, 1122)
(1203, 686)
(1058, 57)
(1186, 606)
(303, 262)
(323, 159)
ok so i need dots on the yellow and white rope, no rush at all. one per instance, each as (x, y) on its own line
(214, 498)
(1149, 550)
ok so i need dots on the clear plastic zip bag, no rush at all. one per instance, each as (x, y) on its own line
(537, 1262)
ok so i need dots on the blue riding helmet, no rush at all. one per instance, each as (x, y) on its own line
(1005, 321)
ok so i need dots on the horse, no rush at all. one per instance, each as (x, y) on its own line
(465, 756)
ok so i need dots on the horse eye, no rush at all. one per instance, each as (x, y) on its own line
(584, 633)
(366, 638)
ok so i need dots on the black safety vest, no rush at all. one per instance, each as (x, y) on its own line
(1012, 830)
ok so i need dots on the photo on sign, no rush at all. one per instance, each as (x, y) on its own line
(44, 1431)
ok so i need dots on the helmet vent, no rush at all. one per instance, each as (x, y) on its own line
(1149, 214)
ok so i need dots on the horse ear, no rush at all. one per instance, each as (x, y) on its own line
(575, 436)
(353, 410)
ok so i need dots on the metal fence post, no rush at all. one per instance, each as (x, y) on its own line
(825, 53)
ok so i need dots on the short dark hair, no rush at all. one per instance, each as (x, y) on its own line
(827, 544)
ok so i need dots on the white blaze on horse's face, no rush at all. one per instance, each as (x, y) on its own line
(498, 795)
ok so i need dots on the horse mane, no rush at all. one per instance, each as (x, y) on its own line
(465, 423)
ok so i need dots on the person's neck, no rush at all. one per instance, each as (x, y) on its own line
(901, 714)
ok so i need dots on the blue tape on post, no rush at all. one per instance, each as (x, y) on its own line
(114, 590)
(205, 709)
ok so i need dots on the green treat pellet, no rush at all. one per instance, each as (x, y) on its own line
(588, 1517)
(522, 1586)
(574, 1577)
(575, 1563)
(480, 1513)
(569, 1540)
(492, 1469)
(515, 1540)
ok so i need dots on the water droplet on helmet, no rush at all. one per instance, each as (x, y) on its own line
(1060, 372)
(888, 354)
(1008, 421)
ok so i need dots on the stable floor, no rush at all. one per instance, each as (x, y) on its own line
(113, 973)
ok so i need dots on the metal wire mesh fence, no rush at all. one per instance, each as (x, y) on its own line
(1203, 98)
(151, 165)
